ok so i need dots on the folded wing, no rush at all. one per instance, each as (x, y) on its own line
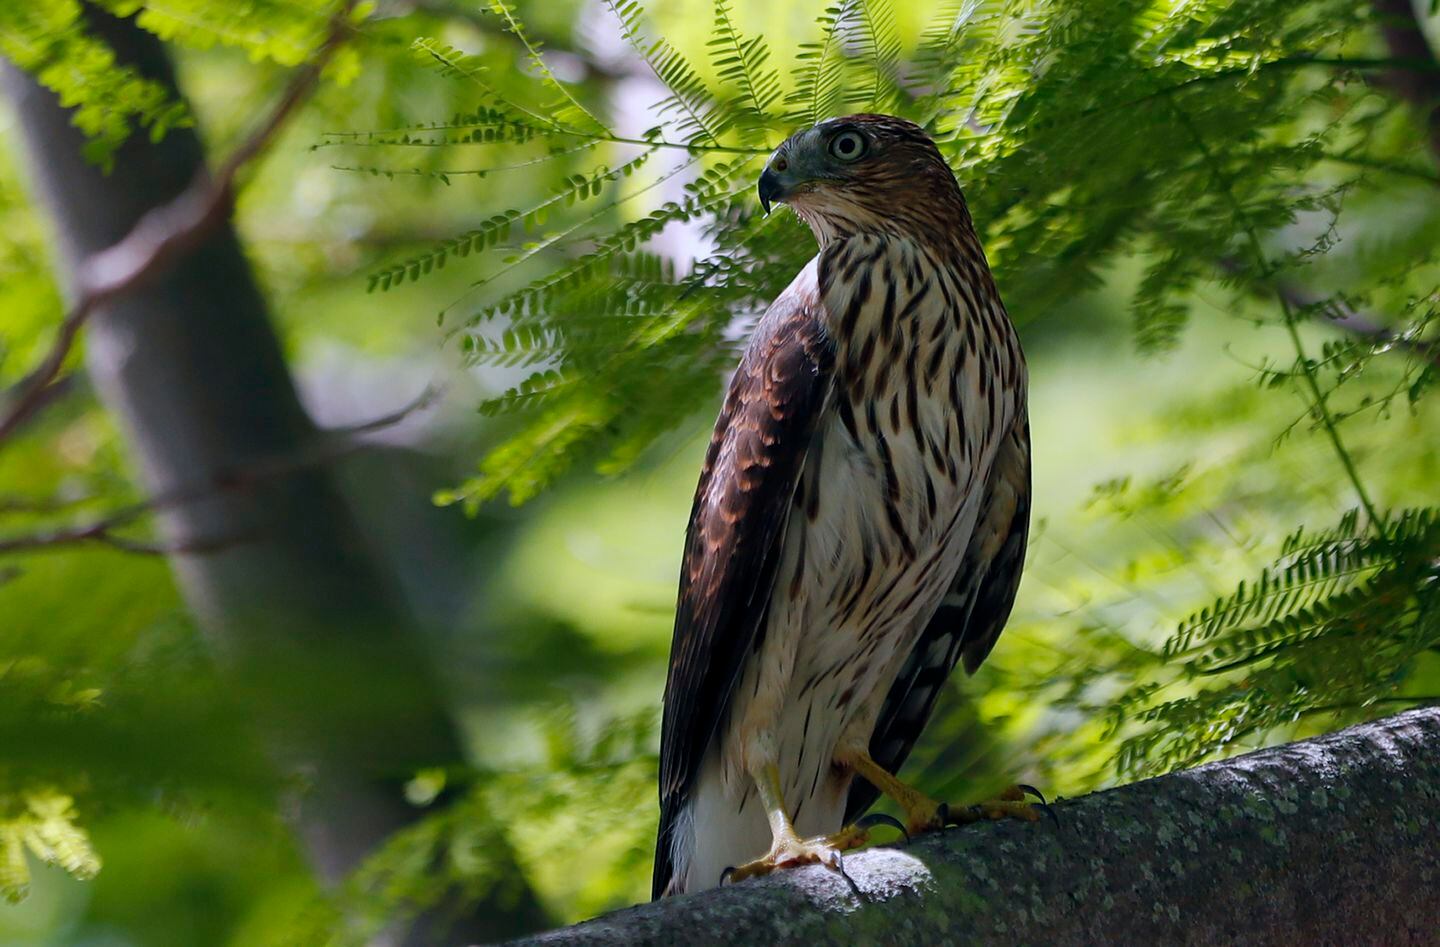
(737, 527)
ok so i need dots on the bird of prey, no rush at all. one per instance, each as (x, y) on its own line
(860, 521)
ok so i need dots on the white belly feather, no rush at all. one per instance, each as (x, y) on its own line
(811, 688)
(847, 606)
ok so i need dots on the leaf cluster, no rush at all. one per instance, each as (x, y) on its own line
(1335, 626)
(1225, 156)
(1218, 143)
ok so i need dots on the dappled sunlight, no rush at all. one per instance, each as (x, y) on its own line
(342, 507)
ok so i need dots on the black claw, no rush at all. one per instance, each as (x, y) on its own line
(839, 868)
(725, 874)
(1031, 790)
(1051, 813)
(880, 818)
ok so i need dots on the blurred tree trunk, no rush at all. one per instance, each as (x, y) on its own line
(306, 624)
(1418, 82)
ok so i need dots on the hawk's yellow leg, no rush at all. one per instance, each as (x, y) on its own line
(923, 814)
(787, 849)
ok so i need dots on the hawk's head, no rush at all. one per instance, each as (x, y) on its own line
(864, 173)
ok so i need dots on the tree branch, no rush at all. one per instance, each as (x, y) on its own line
(164, 235)
(1331, 840)
(104, 530)
(1341, 315)
(195, 375)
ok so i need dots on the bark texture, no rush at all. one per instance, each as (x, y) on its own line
(1334, 840)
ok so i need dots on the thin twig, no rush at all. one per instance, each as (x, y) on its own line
(1322, 410)
(1265, 271)
(165, 234)
(376, 137)
(1341, 315)
(20, 503)
(1398, 699)
(1388, 167)
(333, 444)
(103, 532)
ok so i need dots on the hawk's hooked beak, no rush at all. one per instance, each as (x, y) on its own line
(770, 189)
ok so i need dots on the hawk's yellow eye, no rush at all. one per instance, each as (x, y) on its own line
(847, 146)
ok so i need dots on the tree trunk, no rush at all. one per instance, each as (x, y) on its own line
(1418, 80)
(1334, 840)
(301, 615)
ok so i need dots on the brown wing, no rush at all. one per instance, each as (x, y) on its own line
(970, 618)
(736, 529)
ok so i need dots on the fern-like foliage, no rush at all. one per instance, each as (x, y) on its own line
(1226, 153)
(1332, 627)
(41, 824)
(1216, 141)
(1219, 143)
(578, 794)
(565, 107)
(818, 91)
(1198, 136)
(744, 64)
(579, 187)
(1038, 110)
(698, 117)
(280, 31)
(51, 40)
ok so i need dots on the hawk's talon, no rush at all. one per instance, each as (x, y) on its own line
(963, 816)
(724, 875)
(1045, 806)
(854, 888)
(792, 852)
(1028, 790)
(1050, 811)
(1011, 803)
(881, 818)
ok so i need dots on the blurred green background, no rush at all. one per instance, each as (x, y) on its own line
(1176, 443)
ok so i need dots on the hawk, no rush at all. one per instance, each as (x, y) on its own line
(860, 521)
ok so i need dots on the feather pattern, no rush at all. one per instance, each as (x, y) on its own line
(970, 617)
(860, 519)
(741, 506)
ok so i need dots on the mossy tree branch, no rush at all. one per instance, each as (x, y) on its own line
(1330, 840)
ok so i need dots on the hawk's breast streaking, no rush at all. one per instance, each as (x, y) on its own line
(860, 520)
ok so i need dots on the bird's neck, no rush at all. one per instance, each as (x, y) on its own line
(933, 220)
